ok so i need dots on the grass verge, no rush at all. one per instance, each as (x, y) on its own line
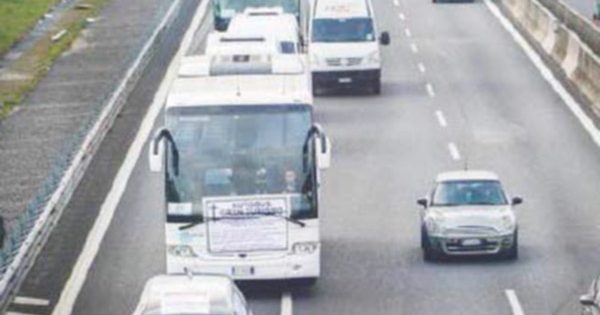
(24, 73)
(17, 17)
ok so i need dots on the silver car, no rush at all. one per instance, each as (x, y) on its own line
(193, 295)
(590, 302)
(468, 213)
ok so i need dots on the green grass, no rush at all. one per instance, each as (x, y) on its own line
(17, 17)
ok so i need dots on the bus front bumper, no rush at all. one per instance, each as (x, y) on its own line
(284, 267)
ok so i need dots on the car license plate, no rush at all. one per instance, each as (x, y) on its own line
(345, 80)
(471, 242)
(242, 271)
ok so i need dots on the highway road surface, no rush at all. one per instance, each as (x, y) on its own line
(458, 90)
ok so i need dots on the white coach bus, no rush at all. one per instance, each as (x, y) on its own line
(241, 156)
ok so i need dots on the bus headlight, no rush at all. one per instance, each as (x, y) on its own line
(181, 251)
(305, 248)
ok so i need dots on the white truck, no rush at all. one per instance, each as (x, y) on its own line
(241, 159)
(344, 45)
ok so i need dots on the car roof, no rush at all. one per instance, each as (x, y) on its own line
(210, 294)
(253, 25)
(466, 175)
(342, 9)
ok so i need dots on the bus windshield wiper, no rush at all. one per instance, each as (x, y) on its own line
(201, 220)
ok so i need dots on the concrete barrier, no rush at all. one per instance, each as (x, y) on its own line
(559, 40)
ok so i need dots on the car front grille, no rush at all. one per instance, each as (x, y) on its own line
(337, 62)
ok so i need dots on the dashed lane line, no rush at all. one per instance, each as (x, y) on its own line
(408, 32)
(441, 119)
(421, 67)
(513, 300)
(454, 153)
(401, 16)
(414, 48)
(24, 300)
(397, 3)
(286, 304)
(430, 90)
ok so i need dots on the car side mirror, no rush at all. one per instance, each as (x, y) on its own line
(423, 202)
(156, 152)
(517, 201)
(384, 39)
(587, 300)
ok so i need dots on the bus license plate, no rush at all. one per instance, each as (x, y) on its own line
(345, 80)
(471, 242)
(242, 271)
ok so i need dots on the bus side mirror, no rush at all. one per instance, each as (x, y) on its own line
(586, 300)
(385, 39)
(323, 152)
(156, 152)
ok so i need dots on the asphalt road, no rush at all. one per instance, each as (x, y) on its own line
(452, 76)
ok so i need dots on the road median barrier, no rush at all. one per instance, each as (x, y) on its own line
(568, 41)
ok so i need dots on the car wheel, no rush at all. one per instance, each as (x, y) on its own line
(513, 251)
(429, 253)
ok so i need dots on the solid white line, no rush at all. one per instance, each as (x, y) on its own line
(454, 153)
(441, 119)
(414, 48)
(408, 33)
(402, 16)
(567, 98)
(421, 67)
(24, 300)
(84, 262)
(430, 90)
(286, 304)
(19, 313)
(513, 300)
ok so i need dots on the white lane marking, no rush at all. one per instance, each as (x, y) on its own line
(407, 32)
(19, 313)
(84, 262)
(441, 119)
(24, 300)
(513, 300)
(454, 153)
(286, 304)
(430, 90)
(567, 98)
(414, 48)
(402, 16)
(396, 3)
(421, 67)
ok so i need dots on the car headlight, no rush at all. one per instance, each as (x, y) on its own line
(374, 57)
(508, 224)
(433, 226)
(181, 251)
(305, 248)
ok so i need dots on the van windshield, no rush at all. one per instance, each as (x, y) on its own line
(343, 30)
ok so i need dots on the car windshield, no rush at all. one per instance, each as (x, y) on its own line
(469, 192)
(343, 30)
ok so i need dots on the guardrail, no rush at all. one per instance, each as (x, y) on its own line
(31, 230)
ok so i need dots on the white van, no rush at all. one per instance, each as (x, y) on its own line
(344, 44)
(261, 22)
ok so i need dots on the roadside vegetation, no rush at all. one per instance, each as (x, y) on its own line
(23, 74)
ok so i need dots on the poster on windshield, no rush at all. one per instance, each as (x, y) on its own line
(247, 223)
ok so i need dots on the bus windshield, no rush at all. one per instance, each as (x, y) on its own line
(240, 151)
(238, 6)
(343, 30)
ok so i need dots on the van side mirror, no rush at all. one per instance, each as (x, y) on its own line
(587, 300)
(517, 201)
(423, 202)
(385, 39)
